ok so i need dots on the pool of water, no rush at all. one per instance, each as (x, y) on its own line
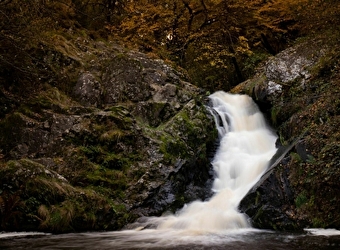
(155, 239)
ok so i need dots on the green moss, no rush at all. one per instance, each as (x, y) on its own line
(296, 157)
(274, 114)
(23, 168)
(173, 149)
(326, 64)
(92, 152)
(114, 161)
(318, 222)
(65, 216)
(56, 205)
(258, 215)
(258, 197)
(253, 61)
(81, 211)
(50, 98)
(113, 135)
(301, 200)
(60, 218)
(108, 178)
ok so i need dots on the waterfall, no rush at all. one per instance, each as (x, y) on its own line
(246, 146)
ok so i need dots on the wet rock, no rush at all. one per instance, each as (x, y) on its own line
(271, 205)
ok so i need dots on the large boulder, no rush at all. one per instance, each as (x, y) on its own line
(132, 139)
(280, 72)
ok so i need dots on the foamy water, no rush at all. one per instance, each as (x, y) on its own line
(323, 231)
(246, 146)
(20, 234)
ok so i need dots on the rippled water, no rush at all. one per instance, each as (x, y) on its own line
(153, 239)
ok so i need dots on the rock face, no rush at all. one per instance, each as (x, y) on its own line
(299, 91)
(281, 71)
(270, 205)
(131, 139)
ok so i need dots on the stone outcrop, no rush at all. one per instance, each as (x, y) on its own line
(281, 72)
(298, 89)
(131, 139)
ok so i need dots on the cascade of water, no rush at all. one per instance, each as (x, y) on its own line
(246, 146)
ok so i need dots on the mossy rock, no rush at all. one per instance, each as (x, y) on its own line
(40, 198)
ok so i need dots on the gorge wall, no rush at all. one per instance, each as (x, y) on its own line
(299, 90)
(117, 135)
(131, 138)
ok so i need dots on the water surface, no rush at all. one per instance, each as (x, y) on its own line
(155, 239)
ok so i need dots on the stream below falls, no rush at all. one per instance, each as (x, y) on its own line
(249, 239)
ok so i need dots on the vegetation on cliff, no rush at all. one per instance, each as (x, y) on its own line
(122, 139)
(94, 134)
(218, 42)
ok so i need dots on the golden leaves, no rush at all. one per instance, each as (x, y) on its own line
(243, 46)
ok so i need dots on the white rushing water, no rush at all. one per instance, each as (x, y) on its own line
(246, 146)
